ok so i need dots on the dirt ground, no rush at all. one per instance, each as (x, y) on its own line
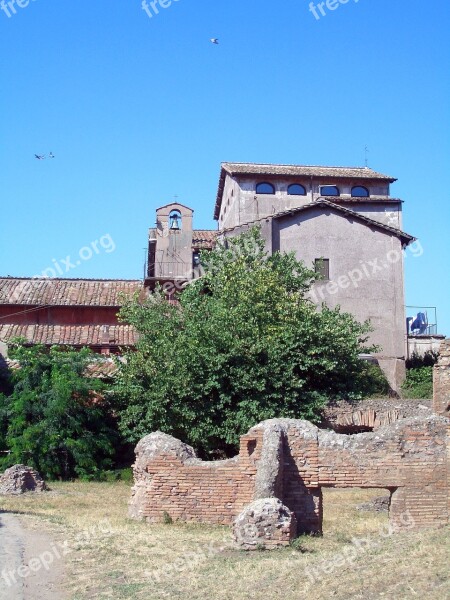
(31, 563)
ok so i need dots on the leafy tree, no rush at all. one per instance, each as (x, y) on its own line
(56, 419)
(244, 344)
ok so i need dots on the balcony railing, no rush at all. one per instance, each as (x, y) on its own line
(421, 320)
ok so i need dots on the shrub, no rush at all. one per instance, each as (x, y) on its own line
(56, 420)
(418, 383)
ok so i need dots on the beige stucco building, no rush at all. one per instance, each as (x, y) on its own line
(341, 221)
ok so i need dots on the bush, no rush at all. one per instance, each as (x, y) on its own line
(372, 382)
(56, 420)
(416, 360)
(418, 383)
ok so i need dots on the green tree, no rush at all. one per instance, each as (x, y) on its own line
(56, 419)
(244, 344)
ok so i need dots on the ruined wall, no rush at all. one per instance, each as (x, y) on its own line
(170, 478)
(441, 381)
(371, 414)
(292, 460)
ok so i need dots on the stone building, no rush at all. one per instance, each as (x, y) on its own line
(343, 222)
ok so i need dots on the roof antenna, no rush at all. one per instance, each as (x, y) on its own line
(366, 152)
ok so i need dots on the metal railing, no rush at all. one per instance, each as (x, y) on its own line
(421, 320)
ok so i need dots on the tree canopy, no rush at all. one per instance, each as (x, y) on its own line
(243, 344)
(56, 419)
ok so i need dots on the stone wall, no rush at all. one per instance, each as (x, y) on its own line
(441, 381)
(371, 414)
(292, 460)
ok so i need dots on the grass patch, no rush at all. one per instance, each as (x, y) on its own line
(117, 558)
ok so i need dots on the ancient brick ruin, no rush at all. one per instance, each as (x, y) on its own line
(20, 479)
(292, 460)
(441, 381)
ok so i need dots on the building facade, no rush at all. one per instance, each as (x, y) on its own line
(344, 223)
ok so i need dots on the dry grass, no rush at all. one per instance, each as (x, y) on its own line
(193, 562)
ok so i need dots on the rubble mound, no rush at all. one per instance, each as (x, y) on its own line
(21, 479)
(378, 504)
(264, 524)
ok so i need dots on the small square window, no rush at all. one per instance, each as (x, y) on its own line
(322, 267)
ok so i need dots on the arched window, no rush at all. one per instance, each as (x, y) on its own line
(265, 188)
(296, 189)
(175, 220)
(329, 190)
(360, 192)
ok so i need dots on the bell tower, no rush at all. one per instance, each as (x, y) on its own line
(170, 247)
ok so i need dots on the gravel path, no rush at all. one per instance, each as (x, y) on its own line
(29, 565)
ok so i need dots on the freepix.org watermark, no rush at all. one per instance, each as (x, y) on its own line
(151, 7)
(365, 271)
(65, 265)
(9, 7)
(320, 9)
(56, 552)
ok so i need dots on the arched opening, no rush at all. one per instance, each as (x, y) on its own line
(360, 191)
(296, 189)
(329, 190)
(265, 188)
(175, 220)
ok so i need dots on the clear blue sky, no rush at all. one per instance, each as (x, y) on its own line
(139, 109)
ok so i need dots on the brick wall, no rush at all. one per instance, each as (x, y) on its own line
(441, 381)
(409, 458)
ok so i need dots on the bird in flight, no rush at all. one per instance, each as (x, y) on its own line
(214, 40)
(43, 156)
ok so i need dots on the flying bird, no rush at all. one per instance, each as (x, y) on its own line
(214, 40)
(51, 155)
(40, 156)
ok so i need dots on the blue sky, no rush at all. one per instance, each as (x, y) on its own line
(138, 110)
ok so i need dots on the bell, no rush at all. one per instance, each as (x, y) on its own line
(174, 223)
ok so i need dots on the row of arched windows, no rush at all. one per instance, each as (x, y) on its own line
(296, 189)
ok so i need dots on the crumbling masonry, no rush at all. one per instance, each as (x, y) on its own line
(441, 381)
(290, 461)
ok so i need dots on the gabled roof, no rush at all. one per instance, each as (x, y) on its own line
(347, 212)
(172, 204)
(65, 292)
(71, 335)
(318, 172)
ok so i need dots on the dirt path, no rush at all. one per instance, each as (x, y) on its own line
(31, 565)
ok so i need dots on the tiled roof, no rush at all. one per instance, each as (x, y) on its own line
(304, 170)
(362, 173)
(71, 335)
(204, 238)
(404, 237)
(65, 292)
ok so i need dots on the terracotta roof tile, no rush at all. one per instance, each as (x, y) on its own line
(304, 170)
(65, 292)
(71, 335)
(204, 238)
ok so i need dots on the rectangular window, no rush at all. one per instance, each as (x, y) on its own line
(322, 267)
